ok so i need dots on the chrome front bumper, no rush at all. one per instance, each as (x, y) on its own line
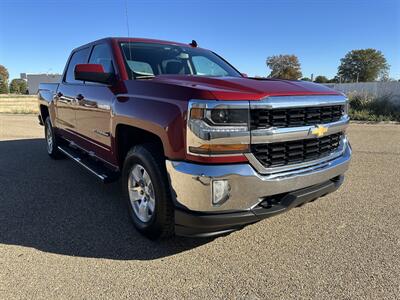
(191, 184)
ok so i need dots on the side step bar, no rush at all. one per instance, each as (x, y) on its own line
(94, 168)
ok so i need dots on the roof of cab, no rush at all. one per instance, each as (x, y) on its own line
(131, 39)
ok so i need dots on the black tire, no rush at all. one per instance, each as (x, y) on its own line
(51, 140)
(161, 222)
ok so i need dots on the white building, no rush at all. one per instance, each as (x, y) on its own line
(34, 80)
(376, 88)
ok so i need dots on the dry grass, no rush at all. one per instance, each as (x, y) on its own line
(18, 104)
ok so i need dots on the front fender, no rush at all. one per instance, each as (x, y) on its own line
(163, 117)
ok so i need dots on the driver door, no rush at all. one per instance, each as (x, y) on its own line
(94, 105)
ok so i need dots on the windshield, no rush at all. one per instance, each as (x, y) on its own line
(146, 60)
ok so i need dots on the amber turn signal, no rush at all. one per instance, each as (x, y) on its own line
(197, 113)
(220, 149)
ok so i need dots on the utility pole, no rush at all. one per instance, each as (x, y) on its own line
(312, 77)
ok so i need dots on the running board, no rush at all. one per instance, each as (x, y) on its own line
(94, 168)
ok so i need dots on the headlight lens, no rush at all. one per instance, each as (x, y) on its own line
(228, 116)
(221, 117)
(218, 128)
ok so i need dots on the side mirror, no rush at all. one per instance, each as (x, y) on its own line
(93, 73)
(244, 75)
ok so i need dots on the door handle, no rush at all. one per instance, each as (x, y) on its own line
(79, 97)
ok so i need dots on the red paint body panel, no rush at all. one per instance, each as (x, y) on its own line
(90, 68)
(157, 105)
(242, 88)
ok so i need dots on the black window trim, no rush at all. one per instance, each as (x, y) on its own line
(112, 61)
(69, 61)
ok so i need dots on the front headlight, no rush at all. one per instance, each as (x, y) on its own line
(228, 116)
(218, 127)
(221, 116)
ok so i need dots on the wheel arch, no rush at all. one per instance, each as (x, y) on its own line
(44, 112)
(164, 126)
(127, 136)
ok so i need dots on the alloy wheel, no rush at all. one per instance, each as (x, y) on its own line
(141, 193)
(49, 139)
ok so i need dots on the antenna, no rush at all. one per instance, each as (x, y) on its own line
(126, 15)
(129, 45)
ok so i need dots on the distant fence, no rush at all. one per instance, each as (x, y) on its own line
(378, 89)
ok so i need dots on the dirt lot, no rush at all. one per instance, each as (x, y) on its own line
(65, 235)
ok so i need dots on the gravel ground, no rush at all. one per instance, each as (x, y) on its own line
(65, 235)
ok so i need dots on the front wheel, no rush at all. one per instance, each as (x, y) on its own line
(147, 193)
(51, 140)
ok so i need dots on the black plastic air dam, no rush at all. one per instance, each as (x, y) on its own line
(192, 224)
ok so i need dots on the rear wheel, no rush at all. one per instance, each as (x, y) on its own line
(51, 140)
(147, 193)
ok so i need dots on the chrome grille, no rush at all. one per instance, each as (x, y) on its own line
(293, 152)
(295, 117)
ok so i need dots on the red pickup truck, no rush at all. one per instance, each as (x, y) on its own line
(200, 149)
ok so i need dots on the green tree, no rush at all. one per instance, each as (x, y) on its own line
(284, 67)
(363, 65)
(4, 73)
(3, 80)
(23, 87)
(335, 79)
(321, 79)
(18, 86)
(3, 86)
(306, 79)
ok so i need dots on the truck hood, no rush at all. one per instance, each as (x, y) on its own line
(242, 88)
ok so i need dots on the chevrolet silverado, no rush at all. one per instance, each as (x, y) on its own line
(200, 148)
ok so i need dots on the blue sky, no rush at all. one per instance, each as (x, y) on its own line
(38, 35)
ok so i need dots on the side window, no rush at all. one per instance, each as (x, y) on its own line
(79, 57)
(102, 55)
(140, 67)
(204, 66)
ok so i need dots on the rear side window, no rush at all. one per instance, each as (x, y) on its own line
(79, 57)
(102, 55)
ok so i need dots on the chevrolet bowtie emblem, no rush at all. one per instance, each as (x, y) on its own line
(319, 130)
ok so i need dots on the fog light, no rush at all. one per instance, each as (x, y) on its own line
(220, 191)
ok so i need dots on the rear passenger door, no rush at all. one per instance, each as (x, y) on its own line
(67, 93)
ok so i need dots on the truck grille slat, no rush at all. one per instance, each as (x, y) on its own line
(294, 146)
(295, 153)
(292, 152)
(292, 117)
